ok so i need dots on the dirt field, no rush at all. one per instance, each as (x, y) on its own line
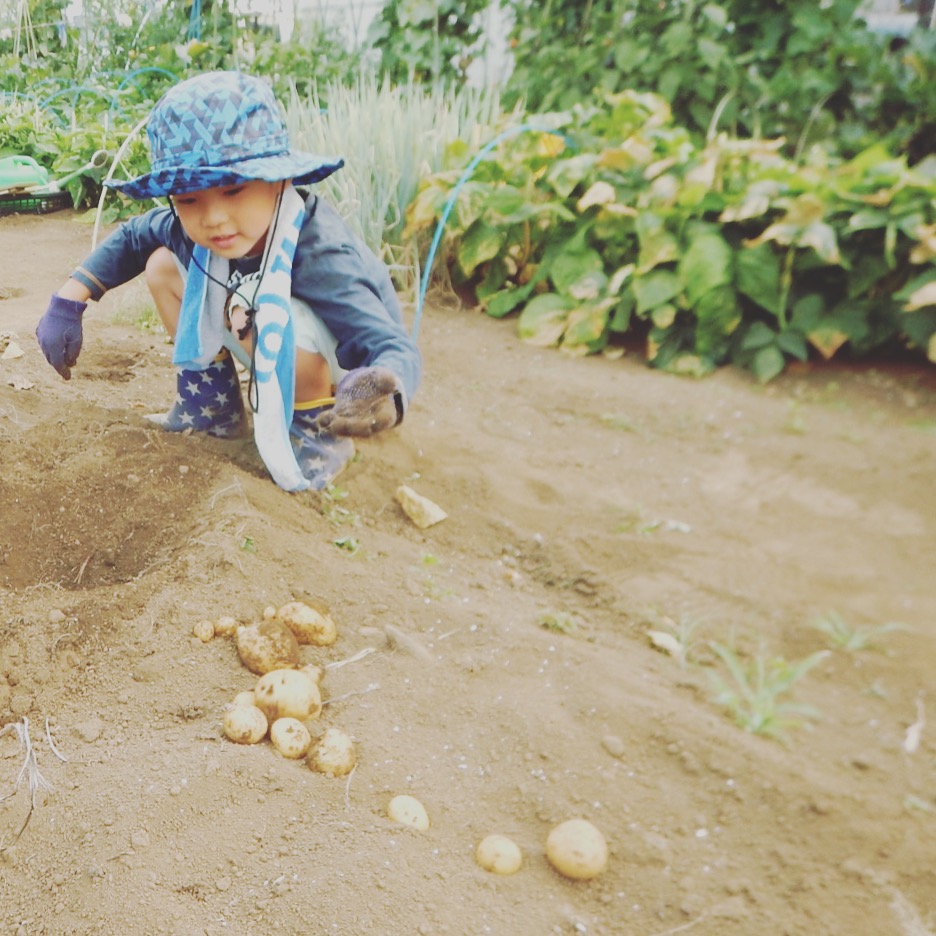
(511, 684)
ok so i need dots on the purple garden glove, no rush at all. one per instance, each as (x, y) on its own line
(59, 333)
(367, 400)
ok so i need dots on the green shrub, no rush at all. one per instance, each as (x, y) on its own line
(623, 227)
(780, 68)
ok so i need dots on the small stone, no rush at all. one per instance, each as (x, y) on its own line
(613, 745)
(90, 730)
(20, 702)
(422, 511)
(56, 616)
(734, 908)
(140, 838)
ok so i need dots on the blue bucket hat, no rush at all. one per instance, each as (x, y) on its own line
(220, 128)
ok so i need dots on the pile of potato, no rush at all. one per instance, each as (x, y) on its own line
(575, 848)
(286, 701)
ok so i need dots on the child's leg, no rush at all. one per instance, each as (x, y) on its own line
(208, 400)
(313, 372)
(165, 283)
(321, 455)
(313, 377)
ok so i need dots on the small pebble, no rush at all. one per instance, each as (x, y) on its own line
(140, 838)
(20, 702)
(89, 731)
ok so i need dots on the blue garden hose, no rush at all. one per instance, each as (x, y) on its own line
(77, 91)
(450, 204)
(129, 77)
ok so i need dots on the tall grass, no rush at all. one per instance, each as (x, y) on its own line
(391, 137)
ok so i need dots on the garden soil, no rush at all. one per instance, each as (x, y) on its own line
(504, 666)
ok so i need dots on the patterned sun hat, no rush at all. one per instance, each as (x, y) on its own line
(220, 128)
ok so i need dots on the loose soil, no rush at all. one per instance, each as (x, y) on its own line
(506, 676)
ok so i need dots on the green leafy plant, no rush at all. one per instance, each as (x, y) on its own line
(430, 41)
(562, 622)
(333, 508)
(843, 636)
(141, 315)
(611, 223)
(349, 544)
(391, 137)
(756, 691)
(795, 69)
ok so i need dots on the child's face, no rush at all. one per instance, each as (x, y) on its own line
(232, 221)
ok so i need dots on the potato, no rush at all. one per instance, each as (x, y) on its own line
(408, 811)
(225, 627)
(290, 737)
(287, 693)
(204, 631)
(499, 854)
(311, 623)
(245, 724)
(577, 849)
(333, 754)
(247, 697)
(266, 646)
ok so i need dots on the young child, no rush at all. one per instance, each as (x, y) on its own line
(243, 263)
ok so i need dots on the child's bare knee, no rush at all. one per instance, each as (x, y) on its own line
(161, 271)
(166, 286)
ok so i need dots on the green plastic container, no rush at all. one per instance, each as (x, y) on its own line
(18, 172)
(33, 202)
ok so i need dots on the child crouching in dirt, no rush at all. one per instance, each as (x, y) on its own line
(241, 263)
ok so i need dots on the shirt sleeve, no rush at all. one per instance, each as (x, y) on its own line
(123, 254)
(350, 290)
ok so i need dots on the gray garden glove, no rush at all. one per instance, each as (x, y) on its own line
(367, 400)
(59, 333)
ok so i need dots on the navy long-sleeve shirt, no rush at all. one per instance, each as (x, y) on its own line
(339, 277)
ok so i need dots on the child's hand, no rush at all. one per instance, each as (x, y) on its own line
(367, 400)
(59, 333)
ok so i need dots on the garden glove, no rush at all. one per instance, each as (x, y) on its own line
(59, 333)
(367, 400)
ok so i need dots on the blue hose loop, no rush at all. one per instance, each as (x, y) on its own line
(129, 78)
(453, 197)
(77, 91)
